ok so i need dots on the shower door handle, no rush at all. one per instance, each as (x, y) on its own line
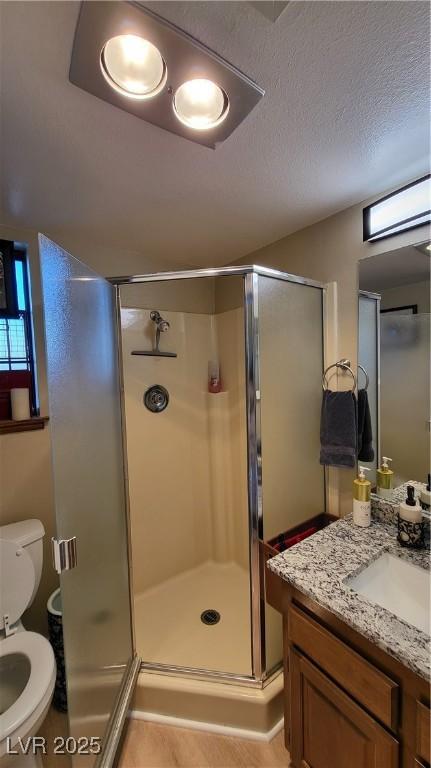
(64, 554)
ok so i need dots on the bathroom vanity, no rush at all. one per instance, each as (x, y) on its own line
(357, 692)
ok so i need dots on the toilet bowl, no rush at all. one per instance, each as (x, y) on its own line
(27, 679)
(27, 663)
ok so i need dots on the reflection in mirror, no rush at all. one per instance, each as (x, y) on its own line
(394, 350)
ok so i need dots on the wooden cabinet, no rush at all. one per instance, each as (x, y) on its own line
(348, 704)
(329, 730)
(423, 732)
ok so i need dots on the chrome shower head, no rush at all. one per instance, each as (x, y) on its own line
(162, 325)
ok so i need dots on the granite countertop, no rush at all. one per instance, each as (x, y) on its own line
(388, 508)
(319, 565)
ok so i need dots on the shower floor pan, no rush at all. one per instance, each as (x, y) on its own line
(168, 624)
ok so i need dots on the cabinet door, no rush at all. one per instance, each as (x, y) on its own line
(328, 730)
(423, 715)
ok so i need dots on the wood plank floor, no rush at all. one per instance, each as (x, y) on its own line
(148, 745)
(54, 725)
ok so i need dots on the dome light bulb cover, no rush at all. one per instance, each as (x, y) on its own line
(133, 66)
(200, 104)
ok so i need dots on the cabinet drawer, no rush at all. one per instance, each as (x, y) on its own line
(364, 682)
(423, 714)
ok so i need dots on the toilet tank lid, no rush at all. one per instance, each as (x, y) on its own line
(24, 533)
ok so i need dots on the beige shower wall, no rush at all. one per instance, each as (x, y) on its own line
(231, 350)
(187, 465)
(168, 452)
(188, 295)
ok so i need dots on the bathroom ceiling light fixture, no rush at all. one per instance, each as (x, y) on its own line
(407, 208)
(137, 61)
(133, 66)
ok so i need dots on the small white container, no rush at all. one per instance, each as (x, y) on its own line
(20, 402)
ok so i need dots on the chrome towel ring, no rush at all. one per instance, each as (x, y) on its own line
(367, 378)
(345, 366)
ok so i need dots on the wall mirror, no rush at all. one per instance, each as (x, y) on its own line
(394, 355)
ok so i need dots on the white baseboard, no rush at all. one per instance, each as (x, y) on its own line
(197, 725)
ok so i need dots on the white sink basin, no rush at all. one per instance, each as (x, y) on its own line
(398, 586)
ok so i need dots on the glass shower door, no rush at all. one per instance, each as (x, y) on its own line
(291, 360)
(90, 497)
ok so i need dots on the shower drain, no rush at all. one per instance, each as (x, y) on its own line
(210, 617)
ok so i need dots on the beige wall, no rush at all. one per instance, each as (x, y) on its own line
(26, 481)
(329, 251)
(26, 488)
(403, 295)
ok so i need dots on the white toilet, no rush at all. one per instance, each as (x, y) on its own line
(27, 663)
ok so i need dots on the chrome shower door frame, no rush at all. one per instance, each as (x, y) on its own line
(377, 298)
(254, 460)
(260, 676)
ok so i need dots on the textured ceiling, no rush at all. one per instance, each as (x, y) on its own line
(345, 116)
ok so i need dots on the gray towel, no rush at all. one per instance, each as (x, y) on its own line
(365, 430)
(338, 429)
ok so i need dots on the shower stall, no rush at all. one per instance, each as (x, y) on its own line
(169, 487)
(214, 474)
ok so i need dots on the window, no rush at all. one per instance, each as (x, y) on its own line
(405, 209)
(16, 332)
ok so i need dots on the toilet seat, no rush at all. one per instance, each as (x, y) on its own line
(40, 683)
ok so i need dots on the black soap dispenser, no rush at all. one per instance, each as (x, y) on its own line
(410, 525)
